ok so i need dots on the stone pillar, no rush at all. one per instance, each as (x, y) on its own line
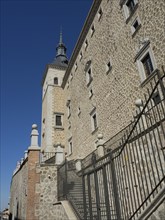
(100, 145)
(59, 154)
(33, 176)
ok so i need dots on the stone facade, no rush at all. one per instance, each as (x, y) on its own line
(114, 90)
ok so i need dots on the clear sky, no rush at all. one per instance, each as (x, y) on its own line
(29, 35)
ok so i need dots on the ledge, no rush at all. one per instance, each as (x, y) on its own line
(147, 80)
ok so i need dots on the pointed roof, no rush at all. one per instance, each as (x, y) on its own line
(61, 58)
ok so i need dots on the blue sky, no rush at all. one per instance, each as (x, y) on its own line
(29, 36)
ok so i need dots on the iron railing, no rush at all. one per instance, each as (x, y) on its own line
(47, 158)
(128, 179)
(70, 187)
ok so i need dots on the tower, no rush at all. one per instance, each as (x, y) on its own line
(53, 100)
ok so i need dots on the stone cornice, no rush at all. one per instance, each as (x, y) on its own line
(54, 66)
(81, 38)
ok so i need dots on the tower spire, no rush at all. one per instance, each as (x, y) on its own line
(60, 42)
(61, 58)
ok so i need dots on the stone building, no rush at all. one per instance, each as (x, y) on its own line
(92, 105)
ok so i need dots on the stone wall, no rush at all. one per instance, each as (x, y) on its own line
(114, 91)
(18, 192)
(48, 208)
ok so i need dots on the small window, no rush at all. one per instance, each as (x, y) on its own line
(100, 13)
(94, 118)
(108, 67)
(69, 111)
(90, 93)
(69, 125)
(92, 30)
(56, 81)
(79, 110)
(43, 121)
(135, 25)
(86, 44)
(58, 120)
(71, 76)
(75, 66)
(81, 56)
(43, 135)
(89, 77)
(94, 122)
(70, 150)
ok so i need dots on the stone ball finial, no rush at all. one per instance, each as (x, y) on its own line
(100, 136)
(34, 126)
(138, 103)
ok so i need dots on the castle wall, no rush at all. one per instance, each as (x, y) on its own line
(114, 91)
(18, 193)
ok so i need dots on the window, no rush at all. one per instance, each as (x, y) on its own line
(94, 120)
(69, 125)
(89, 77)
(68, 107)
(79, 110)
(90, 93)
(70, 150)
(100, 13)
(56, 81)
(58, 120)
(129, 7)
(71, 76)
(86, 44)
(135, 25)
(147, 64)
(75, 66)
(69, 112)
(92, 30)
(145, 61)
(108, 67)
(81, 56)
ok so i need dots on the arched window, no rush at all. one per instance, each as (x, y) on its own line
(56, 81)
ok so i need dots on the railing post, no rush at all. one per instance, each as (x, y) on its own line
(59, 154)
(78, 164)
(100, 145)
(84, 196)
(115, 188)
